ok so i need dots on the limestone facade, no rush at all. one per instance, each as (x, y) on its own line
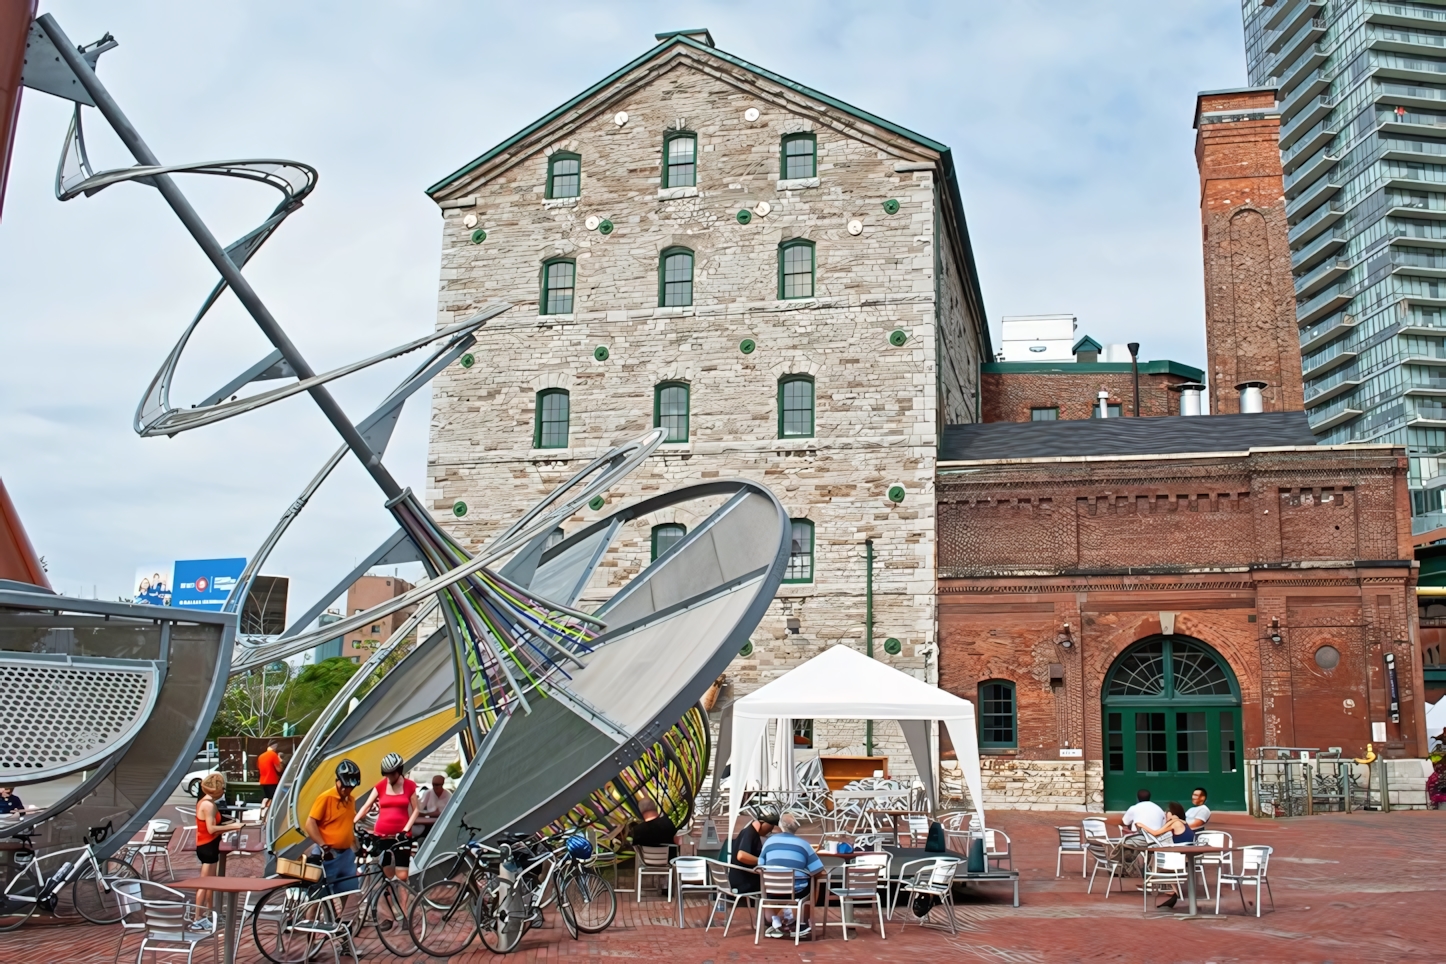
(880, 269)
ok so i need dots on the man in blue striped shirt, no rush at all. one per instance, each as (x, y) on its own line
(786, 850)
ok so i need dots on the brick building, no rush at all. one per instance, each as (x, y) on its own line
(1144, 603)
(366, 592)
(1250, 312)
(782, 280)
(1049, 391)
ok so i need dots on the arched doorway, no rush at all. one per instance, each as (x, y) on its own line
(1172, 723)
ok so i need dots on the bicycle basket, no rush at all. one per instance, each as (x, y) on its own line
(300, 869)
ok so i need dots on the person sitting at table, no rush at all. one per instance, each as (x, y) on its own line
(656, 829)
(1180, 832)
(1198, 815)
(745, 850)
(9, 802)
(434, 800)
(786, 850)
(209, 829)
(1145, 813)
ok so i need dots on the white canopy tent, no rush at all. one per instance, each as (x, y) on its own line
(843, 684)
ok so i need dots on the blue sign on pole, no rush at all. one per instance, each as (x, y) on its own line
(204, 583)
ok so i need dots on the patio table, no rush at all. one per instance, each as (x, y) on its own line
(229, 888)
(1191, 851)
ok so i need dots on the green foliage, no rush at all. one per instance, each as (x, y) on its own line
(454, 770)
(273, 702)
(313, 689)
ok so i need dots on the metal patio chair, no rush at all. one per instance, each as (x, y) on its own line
(724, 893)
(1164, 871)
(1254, 861)
(651, 862)
(860, 886)
(1071, 841)
(1224, 861)
(167, 928)
(776, 891)
(691, 875)
(934, 882)
(1105, 856)
(997, 850)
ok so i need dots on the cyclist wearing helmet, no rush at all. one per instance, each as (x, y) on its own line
(396, 802)
(746, 848)
(330, 827)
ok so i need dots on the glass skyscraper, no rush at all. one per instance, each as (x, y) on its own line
(1361, 90)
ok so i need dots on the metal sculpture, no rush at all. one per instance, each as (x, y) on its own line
(552, 704)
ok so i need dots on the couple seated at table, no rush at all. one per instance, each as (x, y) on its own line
(1146, 817)
(772, 842)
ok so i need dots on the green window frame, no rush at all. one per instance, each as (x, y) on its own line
(1048, 414)
(680, 159)
(670, 409)
(559, 287)
(796, 263)
(666, 536)
(998, 714)
(675, 278)
(550, 424)
(800, 551)
(798, 157)
(564, 174)
(796, 406)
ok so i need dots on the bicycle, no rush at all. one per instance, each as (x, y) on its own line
(89, 878)
(513, 902)
(444, 915)
(290, 924)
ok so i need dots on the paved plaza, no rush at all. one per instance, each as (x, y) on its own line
(1359, 887)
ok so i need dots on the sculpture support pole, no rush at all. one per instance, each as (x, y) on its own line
(106, 104)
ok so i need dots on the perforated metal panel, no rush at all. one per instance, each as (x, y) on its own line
(61, 716)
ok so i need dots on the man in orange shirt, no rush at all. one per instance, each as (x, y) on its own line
(330, 827)
(269, 766)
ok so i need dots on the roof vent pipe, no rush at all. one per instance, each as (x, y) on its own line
(1252, 401)
(1104, 403)
(1191, 394)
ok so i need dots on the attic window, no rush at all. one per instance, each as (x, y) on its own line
(799, 157)
(680, 160)
(564, 175)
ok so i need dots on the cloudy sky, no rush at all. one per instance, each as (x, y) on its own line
(1070, 124)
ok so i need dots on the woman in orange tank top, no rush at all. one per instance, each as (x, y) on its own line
(209, 829)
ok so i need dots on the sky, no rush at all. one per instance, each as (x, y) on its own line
(1070, 124)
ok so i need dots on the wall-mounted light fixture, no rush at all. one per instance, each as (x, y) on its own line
(1064, 639)
(793, 625)
(1275, 631)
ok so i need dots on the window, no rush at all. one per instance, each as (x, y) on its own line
(552, 415)
(564, 175)
(795, 269)
(680, 160)
(799, 157)
(667, 536)
(795, 406)
(558, 280)
(1095, 409)
(675, 278)
(1044, 414)
(803, 734)
(800, 552)
(670, 410)
(996, 714)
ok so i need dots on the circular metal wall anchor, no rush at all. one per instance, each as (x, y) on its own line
(747, 345)
(751, 114)
(896, 493)
(856, 227)
(600, 353)
(747, 650)
(605, 226)
(459, 508)
(470, 221)
(592, 222)
(468, 360)
(596, 503)
(620, 118)
(892, 646)
(897, 337)
(762, 208)
(479, 236)
(744, 216)
(891, 206)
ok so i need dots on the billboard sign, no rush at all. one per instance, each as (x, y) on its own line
(153, 585)
(205, 583)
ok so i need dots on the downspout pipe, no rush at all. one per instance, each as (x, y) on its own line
(869, 630)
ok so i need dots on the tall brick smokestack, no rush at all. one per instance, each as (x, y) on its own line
(1250, 329)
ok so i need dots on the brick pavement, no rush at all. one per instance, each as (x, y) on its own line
(1363, 887)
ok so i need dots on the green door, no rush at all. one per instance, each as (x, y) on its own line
(1172, 723)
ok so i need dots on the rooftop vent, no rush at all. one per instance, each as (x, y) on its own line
(700, 34)
(1190, 396)
(1252, 399)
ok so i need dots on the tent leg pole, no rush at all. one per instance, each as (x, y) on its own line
(869, 630)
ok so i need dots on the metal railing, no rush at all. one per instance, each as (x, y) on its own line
(1292, 781)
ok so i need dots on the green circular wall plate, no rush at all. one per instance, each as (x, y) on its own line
(596, 503)
(600, 353)
(897, 337)
(744, 216)
(746, 346)
(892, 646)
(459, 508)
(747, 650)
(891, 206)
(479, 236)
(896, 493)
(605, 226)
(468, 360)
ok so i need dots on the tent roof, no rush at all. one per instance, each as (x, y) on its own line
(842, 683)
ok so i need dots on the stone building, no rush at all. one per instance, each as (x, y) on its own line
(782, 280)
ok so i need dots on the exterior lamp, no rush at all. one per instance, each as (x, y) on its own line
(1275, 631)
(1064, 637)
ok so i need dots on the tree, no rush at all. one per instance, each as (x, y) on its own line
(255, 703)
(313, 688)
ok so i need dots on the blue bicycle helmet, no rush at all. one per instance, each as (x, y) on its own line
(578, 846)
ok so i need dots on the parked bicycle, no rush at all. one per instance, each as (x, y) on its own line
(90, 878)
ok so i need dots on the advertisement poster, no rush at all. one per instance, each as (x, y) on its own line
(205, 583)
(153, 585)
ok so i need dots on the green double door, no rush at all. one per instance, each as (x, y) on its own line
(1170, 750)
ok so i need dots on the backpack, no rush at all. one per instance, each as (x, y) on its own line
(934, 843)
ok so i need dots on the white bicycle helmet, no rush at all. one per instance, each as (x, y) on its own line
(391, 763)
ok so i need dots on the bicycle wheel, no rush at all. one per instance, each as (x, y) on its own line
(444, 918)
(391, 909)
(18, 901)
(593, 901)
(564, 909)
(502, 912)
(94, 897)
(278, 924)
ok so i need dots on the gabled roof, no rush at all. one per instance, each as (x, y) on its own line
(1086, 344)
